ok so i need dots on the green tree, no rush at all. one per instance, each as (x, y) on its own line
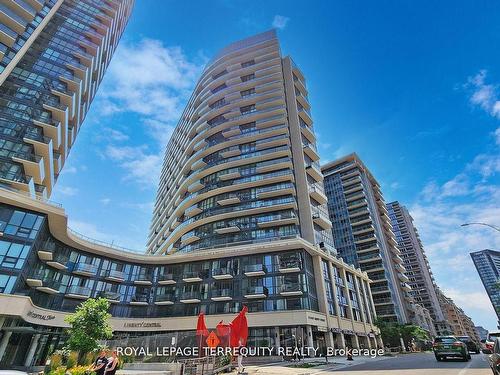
(392, 332)
(89, 324)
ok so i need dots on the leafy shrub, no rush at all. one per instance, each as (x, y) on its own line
(61, 370)
(81, 370)
(72, 360)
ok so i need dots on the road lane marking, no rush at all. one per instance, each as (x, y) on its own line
(464, 370)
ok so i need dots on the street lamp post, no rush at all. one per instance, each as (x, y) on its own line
(484, 224)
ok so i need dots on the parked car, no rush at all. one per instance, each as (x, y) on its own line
(449, 346)
(494, 358)
(488, 344)
(472, 346)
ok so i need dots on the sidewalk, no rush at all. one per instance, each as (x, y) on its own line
(317, 366)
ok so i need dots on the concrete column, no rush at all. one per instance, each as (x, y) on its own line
(2, 321)
(277, 338)
(379, 341)
(403, 346)
(341, 340)
(4, 342)
(356, 342)
(329, 339)
(32, 350)
(320, 284)
(309, 338)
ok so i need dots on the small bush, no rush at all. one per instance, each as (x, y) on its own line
(61, 370)
(81, 370)
(72, 360)
(55, 361)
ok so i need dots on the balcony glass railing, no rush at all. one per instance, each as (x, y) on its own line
(255, 268)
(291, 288)
(85, 267)
(191, 295)
(166, 277)
(222, 271)
(115, 296)
(222, 293)
(192, 275)
(78, 290)
(257, 290)
(165, 297)
(115, 274)
(142, 298)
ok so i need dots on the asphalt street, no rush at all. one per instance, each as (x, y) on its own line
(420, 364)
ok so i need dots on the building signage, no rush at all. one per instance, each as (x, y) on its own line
(142, 324)
(348, 332)
(336, 330)
(35, 315)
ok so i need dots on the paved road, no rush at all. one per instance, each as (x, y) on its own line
(420, 364)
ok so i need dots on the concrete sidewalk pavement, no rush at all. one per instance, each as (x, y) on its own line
(309, 366)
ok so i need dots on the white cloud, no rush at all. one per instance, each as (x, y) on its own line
(152, 82)
(483, 94)
(472, 195)
(139, 165)
(280, 22)
(149, 79)
(67, 190)
(105, 201)
(69, 169)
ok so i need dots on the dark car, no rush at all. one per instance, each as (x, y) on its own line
(449, 346)
(494, 358)
(472, 346)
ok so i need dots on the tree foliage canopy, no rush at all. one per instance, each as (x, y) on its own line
(89, 324)
(392, 332)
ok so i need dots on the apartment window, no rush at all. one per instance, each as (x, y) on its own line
(218, 103)
(248, 77)
(220, 74)
(247, 63)
(219, 88)
(248, 109)
(248, 92)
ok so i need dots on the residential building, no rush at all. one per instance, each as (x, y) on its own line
(415, 260)
(487, 264)
(363, 234)
(240, 220)
(482, 332)
(460, 323)
(53, 55)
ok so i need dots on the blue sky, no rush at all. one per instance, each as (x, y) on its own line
(414, 90)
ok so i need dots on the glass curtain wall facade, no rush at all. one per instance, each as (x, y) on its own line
(46, 271)
(53, 55)
(363, 234)
(487, 264)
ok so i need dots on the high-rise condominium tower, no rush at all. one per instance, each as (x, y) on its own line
(242, 166)
(240, 220)
(363, 234)
(53, 55)
(487, 263)
(415, 260)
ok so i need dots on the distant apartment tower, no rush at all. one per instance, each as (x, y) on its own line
(459, 323)
(482, 332)
(487, 263)
(415, 260)
(363, 234)
(53, 55)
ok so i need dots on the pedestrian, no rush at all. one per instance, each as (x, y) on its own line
(240, 358)
(112, 364)
(99, 365)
